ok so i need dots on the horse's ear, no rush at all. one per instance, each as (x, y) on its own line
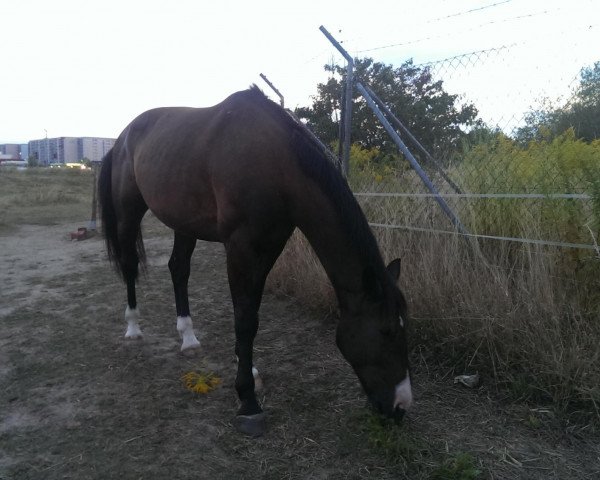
(393, 270)
(371, 284)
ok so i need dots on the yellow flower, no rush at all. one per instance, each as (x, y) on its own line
(200, 382)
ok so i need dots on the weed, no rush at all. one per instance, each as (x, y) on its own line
(405, 449)
(459, 467)
(391, 441)
(533, 422)
(201, 383)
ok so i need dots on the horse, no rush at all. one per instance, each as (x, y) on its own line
(246, 173)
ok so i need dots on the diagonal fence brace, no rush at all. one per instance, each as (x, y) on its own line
(412, 160)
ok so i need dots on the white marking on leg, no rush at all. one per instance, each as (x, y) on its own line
(132, 315)
(403, 397)
(186, 332)
(258, 383)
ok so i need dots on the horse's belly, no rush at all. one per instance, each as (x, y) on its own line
(187, 212)
(201, 225)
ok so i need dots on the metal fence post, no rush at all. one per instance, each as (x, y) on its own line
(277, 92)
(347, 109)
(348, 119)
(92, 224)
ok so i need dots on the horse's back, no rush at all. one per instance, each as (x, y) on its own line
(203, 171)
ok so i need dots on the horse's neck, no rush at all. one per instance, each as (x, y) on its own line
(321, 224)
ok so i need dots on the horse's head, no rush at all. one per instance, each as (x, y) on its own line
(371, 336)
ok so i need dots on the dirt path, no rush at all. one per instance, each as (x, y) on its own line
(79, 402)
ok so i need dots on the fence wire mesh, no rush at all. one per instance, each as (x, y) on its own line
(522, 181)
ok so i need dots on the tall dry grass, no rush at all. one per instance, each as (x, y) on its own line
(516, 313)
(44, 196)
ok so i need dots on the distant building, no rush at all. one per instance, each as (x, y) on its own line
(10, 151)
(69, 149)
(24, 151)
(94, 148)
(54, 150)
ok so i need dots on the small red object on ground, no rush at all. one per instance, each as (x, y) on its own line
(80, 234)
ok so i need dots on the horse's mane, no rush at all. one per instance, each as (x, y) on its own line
(314, 163)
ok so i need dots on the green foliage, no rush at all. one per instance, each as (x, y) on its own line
(390, 440)
(421, 103)
(562, 164)
(581, 112)
(370, 164)
(460, 467)
(399, 447)
(553, 165)
(533, 422)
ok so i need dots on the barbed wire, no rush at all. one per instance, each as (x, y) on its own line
(453, 34)
(466, 12)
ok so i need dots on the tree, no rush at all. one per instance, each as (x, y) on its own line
(581, 112)
(421, 103)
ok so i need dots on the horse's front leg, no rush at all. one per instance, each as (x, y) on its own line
(248, 264)
(179, 265)
(250, 418)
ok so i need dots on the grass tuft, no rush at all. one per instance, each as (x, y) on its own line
(390, 440)
(460, 467)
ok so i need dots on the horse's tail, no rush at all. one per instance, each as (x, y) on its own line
(107, 209)
(110, 224)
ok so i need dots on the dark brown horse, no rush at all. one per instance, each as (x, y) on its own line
(245, 173)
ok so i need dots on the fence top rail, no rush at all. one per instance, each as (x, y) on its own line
(570, 196)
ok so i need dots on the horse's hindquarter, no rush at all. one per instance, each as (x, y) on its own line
(171, 175)
(208, 172)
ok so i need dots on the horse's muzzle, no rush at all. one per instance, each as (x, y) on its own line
(384, 405)
(398, 414)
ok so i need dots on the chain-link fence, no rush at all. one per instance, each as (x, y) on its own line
(516, 180)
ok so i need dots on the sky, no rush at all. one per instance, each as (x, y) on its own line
(82, 68)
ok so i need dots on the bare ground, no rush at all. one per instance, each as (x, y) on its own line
(77, 401)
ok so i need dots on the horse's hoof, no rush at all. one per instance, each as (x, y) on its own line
(191, 352)
(190, 349)
(133, 335)
(251, 425)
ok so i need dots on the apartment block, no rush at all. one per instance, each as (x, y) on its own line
(69, 149)
(94, 148)
(11, 151)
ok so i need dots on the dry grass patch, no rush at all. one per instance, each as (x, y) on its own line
(44, 196)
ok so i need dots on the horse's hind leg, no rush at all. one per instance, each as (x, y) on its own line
(128, 232)
(179, 265)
